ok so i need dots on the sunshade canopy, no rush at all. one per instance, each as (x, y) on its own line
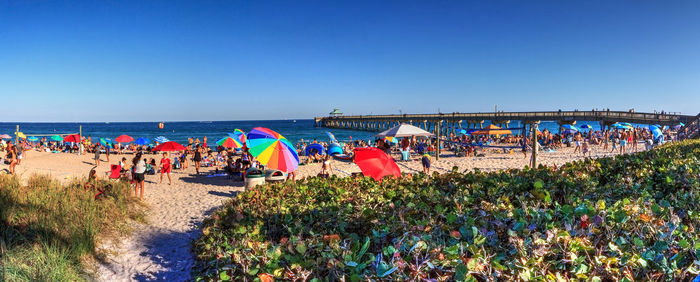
(404, 130)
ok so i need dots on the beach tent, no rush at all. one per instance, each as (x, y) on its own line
(334, 149)
(375, 163)
(492, 130)
(404, 130)
(314, 149)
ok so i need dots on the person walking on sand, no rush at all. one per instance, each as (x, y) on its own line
(426, 164)
(97, 155)
(197, 157)
(19, 151)
(165, 167)
(11, 157)
(577, 141)
(139, 174)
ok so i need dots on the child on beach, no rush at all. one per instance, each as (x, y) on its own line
(165, 168)
(426, 164)
(584, 149)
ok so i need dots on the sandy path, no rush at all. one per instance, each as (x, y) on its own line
(161, 249)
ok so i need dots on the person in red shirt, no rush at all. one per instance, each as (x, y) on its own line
(165, 168)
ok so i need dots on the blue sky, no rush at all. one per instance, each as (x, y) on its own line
(241, 60)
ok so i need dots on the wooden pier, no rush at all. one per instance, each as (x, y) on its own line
(446, 123)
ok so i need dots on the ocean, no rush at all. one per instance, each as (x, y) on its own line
(293, 130)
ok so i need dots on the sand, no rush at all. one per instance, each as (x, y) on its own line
(161, 249)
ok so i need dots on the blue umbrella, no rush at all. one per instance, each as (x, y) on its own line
(161, 139)
(586, 126)
(655, 131)
(142, 141)
(462, 131)
(569, 131)
(569, 127)
(32, 138)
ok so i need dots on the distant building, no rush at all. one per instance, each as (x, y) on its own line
(335, 113)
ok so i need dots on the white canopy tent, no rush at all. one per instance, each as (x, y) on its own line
(404, 130)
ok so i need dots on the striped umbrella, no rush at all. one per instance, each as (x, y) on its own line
(105, 141)
(161, 139)
(229, 142)
(272, 149)
(239, 135)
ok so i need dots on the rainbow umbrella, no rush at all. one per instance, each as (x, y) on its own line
(229, 142)
(272, 149)
(239, 136)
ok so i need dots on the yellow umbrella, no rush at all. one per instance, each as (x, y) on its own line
(21, 135)
(492, 130)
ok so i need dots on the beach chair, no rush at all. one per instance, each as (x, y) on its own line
(115, 172)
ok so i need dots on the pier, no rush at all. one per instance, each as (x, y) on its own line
(446, 123)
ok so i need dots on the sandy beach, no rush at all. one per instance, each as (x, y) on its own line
(160, 249)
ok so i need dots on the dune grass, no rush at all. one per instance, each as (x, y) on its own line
(49, 230)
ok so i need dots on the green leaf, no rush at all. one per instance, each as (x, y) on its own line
(538, 184)
(362, 252)
(684, 244)
(472, 264)
(638, 242)
(460, 272)
(301, 248)
(620, 216)
(642, 262)
(224, 276)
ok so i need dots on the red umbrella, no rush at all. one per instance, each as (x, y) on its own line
(375, 163)
(169, 146)
(123, 139)
(72, 138)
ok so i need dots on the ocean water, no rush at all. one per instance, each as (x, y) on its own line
(295, 131)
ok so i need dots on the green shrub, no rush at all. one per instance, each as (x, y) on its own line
(630, 217)
(49, 230)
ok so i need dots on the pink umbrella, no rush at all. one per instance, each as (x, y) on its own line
(5, 136)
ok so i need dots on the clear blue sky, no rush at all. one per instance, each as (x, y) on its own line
(233, 60)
